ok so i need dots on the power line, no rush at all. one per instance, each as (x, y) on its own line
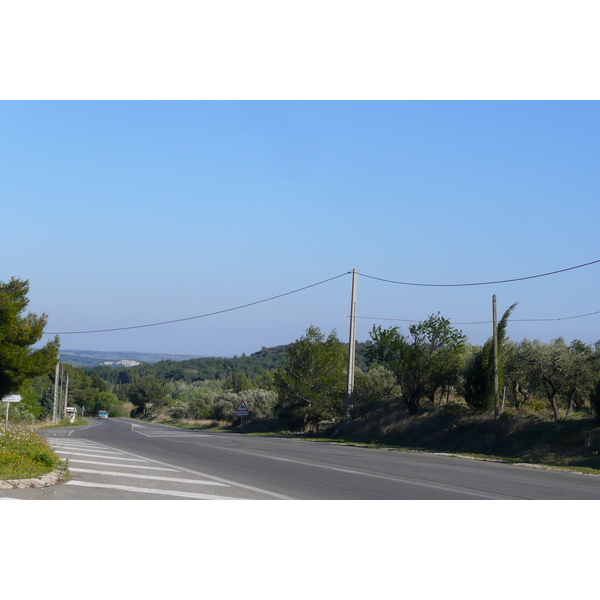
(331, 279)
(486, 322)
(482, 282)
(218, 312)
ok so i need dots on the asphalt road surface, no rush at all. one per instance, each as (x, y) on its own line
(126, 459)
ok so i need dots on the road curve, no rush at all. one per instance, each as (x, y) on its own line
(175, 463)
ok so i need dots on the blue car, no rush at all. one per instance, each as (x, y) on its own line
(102, 414)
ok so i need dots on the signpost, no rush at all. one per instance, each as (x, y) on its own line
(242, 411)
(8, 399)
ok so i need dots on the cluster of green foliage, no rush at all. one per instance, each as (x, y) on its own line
(311, 383)
(24, 454)
(478, 374)
(198, 369)
(422, 361)
(431, 362)
(18, 333)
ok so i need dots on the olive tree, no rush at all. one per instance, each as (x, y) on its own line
(421, 360)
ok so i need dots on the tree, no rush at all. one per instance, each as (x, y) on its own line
(580, 375)
(595, 399)
(146, 393)
(479, 371)
(18, 333)
(546, 365)
(515, 376)
(420, 361)
(260, 403)
(312, 382)
(371, 389)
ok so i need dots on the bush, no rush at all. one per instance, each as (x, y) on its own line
(24, 454)
(260, 403)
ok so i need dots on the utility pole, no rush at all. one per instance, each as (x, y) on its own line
(66, 395)
(55, 403)
(495, 319)
(351, 348)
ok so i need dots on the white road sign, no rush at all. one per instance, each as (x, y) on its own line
(12, 398)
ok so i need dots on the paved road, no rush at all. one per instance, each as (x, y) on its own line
(127, 459)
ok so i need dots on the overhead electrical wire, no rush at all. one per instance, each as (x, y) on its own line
(218, 312)
(485, 322)
(481, 282)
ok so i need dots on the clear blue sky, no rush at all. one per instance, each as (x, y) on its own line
(128, 213)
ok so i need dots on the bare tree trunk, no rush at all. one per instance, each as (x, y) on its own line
(554, 405)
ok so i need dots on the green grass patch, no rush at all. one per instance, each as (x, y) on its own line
(25, 454)
(67, 423)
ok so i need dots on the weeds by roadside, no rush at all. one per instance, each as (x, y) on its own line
(25, 454)
(64, 423)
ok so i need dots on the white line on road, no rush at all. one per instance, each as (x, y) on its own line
(193, 472)
(68, 448)
(398, 479)
(160, 434)
(100, 456)
(105, 464)
(156, 477)
(128, 488)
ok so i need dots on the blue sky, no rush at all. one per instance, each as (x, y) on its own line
(125, 213)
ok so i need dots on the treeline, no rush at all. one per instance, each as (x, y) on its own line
(432, 362)
(303, 383)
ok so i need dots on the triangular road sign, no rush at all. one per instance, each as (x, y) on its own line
(242, 409)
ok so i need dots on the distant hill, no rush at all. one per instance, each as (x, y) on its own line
(92, 358)
(194, 369)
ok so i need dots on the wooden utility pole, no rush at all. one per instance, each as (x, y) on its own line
(495, 319)
(55, 403)
(66, 395)
(351, 348)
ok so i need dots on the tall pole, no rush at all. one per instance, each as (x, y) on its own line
(55, 404)
(351, 347)
(495, 318)
(67, 394)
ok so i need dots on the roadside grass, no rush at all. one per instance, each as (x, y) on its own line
(25, 454)
(64, 423)
(200, 424)
(518, 437)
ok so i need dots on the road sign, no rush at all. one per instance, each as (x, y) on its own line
(242, 410)
(8, 399)
(12, 398)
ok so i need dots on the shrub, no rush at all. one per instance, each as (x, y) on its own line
(260, 403)
(24, 454)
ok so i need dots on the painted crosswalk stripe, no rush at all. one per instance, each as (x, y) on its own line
(100, 456)
(154, 477)
(69, 449)
(128, 488)
(106, 464)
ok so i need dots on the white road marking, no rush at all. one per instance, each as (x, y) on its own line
(160, 434)
(68, 449)
(398, 479)
(156, 477)
(127, 488)
(100, 456)
(175, 468)
(105, 464)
